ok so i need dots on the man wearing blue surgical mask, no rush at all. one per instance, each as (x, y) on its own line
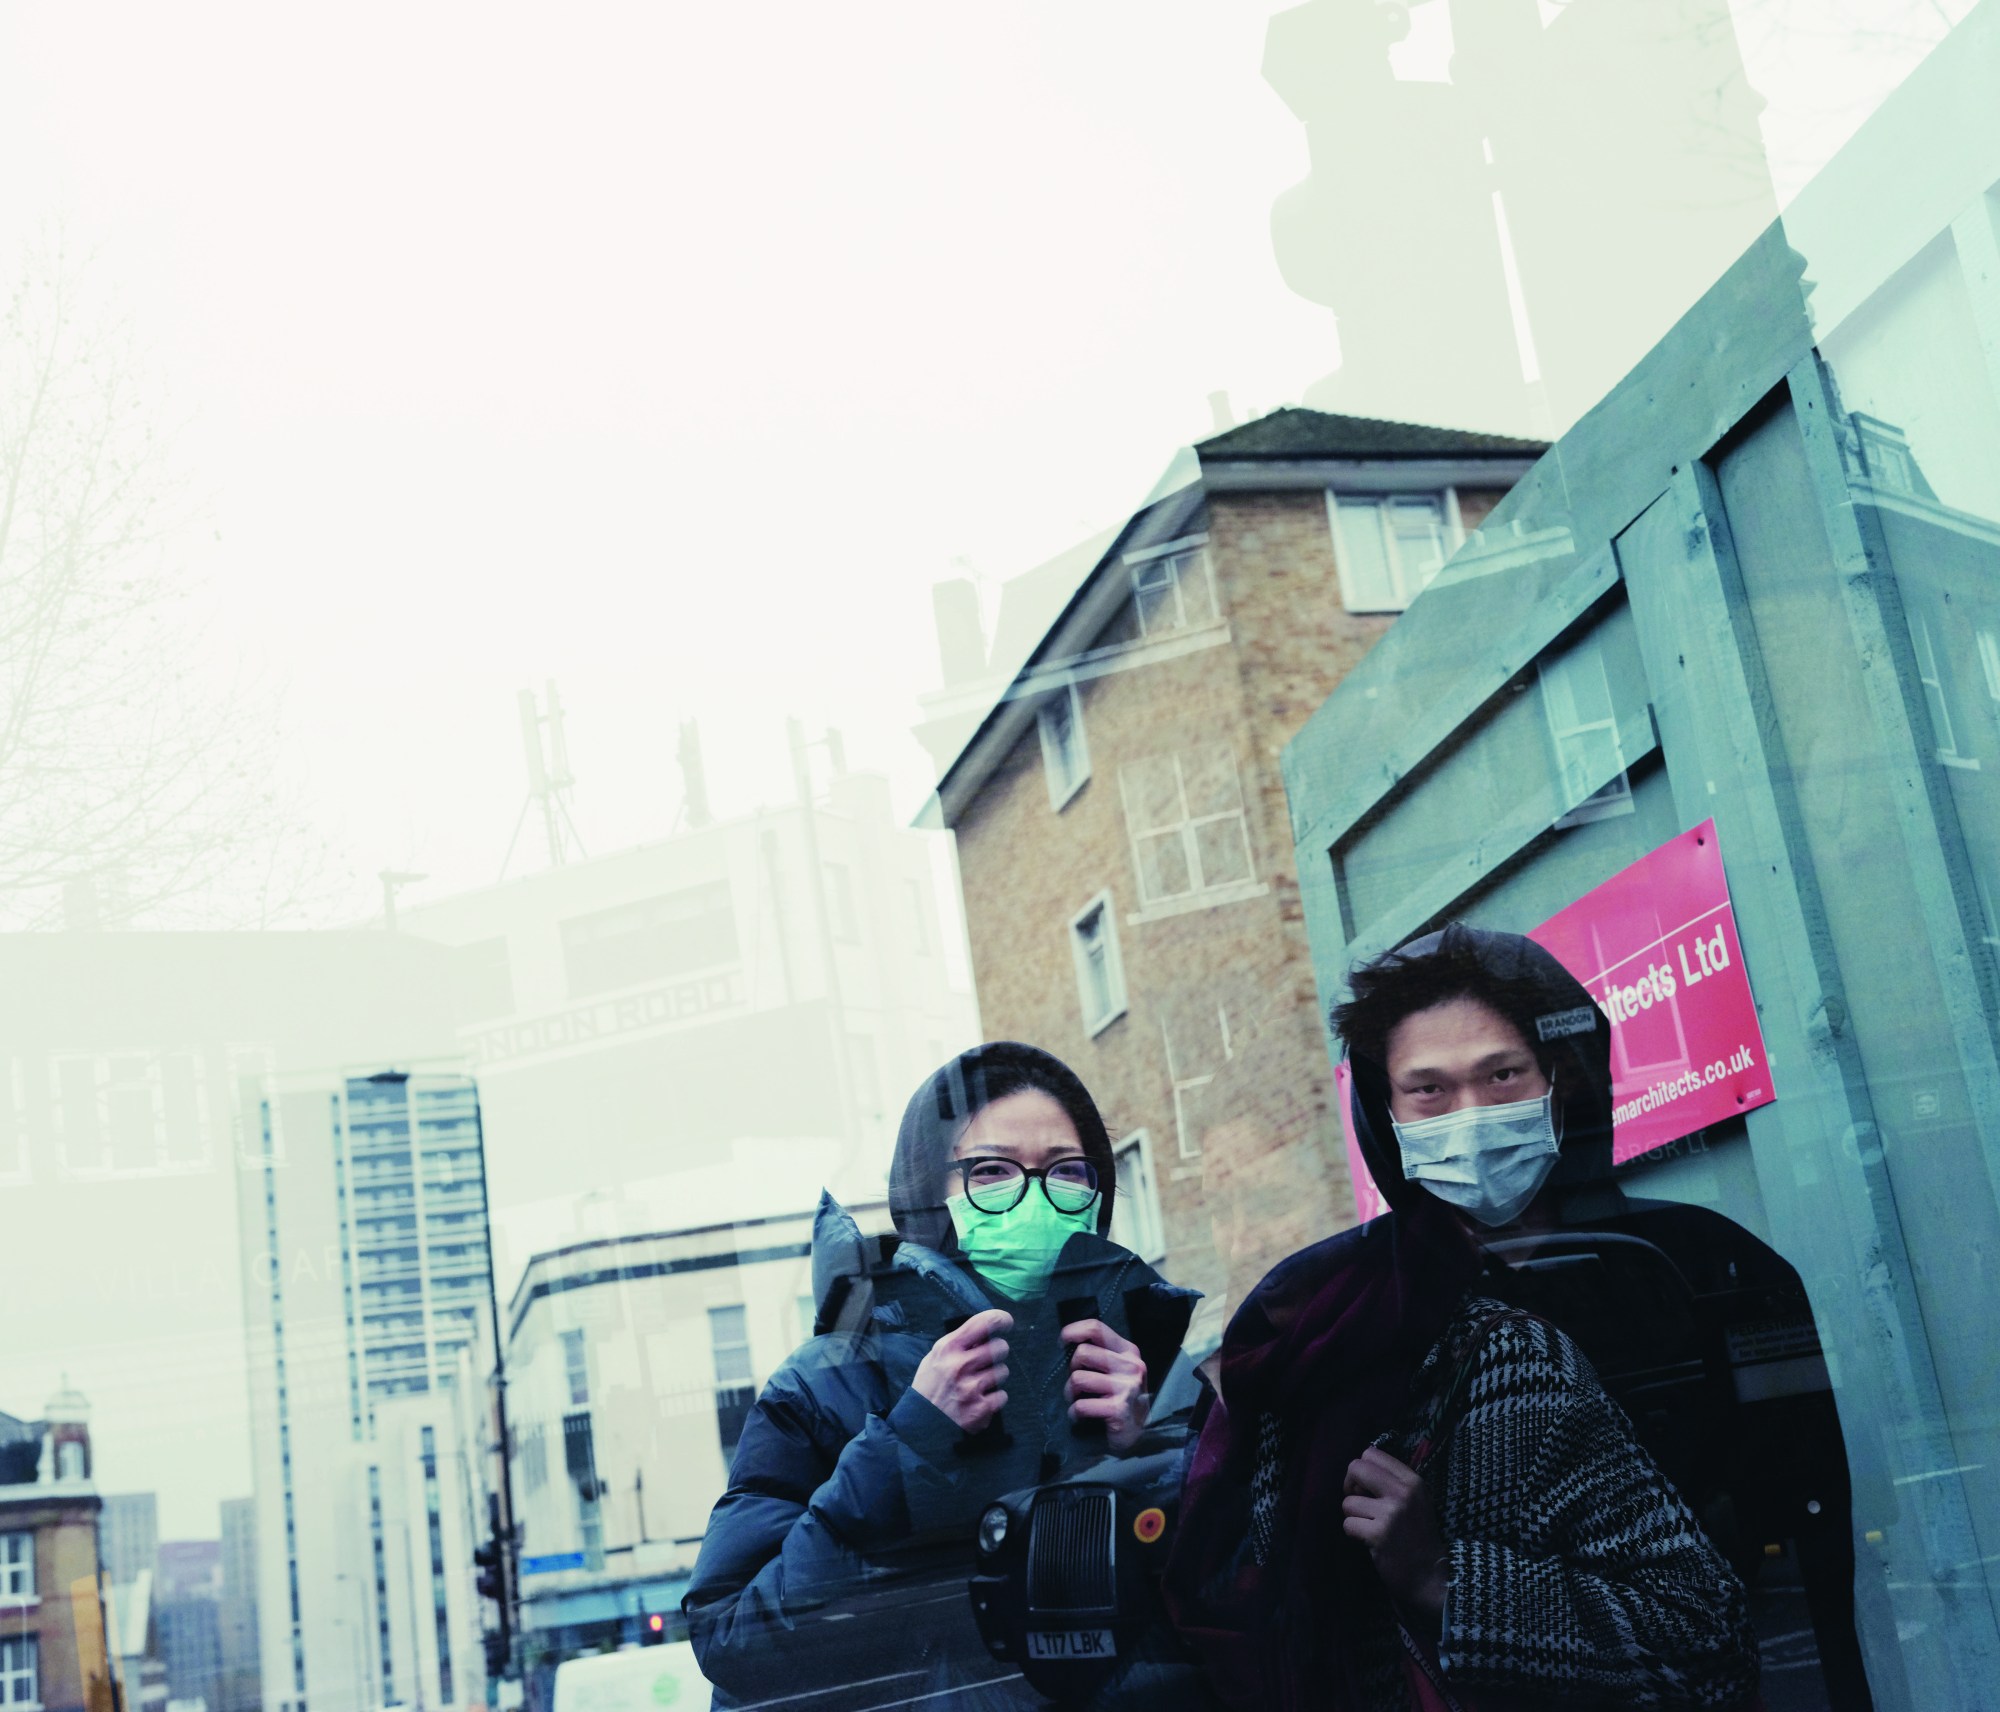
(1410, 1492)
(1473, 1110)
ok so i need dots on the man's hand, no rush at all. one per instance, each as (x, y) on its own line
(1388, 1509)
(1107, 1382)
(964, 1370)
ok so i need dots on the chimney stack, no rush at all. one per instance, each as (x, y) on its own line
(961, 636)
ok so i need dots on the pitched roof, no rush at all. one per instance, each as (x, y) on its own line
(1294, 432)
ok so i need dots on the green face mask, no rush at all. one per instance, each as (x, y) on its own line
(1015, 1251)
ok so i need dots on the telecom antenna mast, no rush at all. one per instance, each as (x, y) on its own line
(550, 781)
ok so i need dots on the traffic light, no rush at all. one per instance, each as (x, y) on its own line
(491, 1559)
(653, 1629)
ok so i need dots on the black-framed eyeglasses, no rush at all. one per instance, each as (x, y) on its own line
(996, 1185)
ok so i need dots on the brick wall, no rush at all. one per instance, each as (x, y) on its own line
(65, 1531)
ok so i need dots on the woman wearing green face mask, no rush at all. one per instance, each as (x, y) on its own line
(999, 1340)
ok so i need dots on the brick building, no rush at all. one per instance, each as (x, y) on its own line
(1123, 836)
(52, 1619)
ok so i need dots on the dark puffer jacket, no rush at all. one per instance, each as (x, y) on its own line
(835, 1565)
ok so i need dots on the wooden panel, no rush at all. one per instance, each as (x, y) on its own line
(1487, 626)
(1727, 599)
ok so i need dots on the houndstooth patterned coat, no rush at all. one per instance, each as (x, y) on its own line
(1578, 1575)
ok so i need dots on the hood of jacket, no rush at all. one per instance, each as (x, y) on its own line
(955, 1093)
(1571, 1035)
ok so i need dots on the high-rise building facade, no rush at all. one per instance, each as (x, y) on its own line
(367, 1260)
(128, 1534)
(240, 1689)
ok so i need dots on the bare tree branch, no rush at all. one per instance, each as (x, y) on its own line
(132, 787)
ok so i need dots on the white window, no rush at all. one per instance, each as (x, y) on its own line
(576, 1365)
(840, 904)
(1989, 922)
(1100, 978)
(1989, 662)
(17, 1566)
(1932, 678)
(1387, 547)
(1135, 1215)
(1185, 815)
(20, 1675)
(920, 932)
(1576, 699)
(69, 1461)
(729, 1337)
(1065, 758)
(1173, 590)
(1191, 1069)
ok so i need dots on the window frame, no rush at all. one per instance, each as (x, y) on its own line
(1937, 698)
(17, 1573)
(1189, 549)
(576, 1366)
(716, 1346)
(1101, 909)
(1553, 676)
(1989, 661)
(1061, 793)
(20, 1662)
(1399, 593)
(1148, 1239)
(1187, 827)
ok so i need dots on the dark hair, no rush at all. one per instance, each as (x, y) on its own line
(950, 1098)
(1400, 983)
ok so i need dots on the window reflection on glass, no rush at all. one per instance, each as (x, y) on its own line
(1065, 758)
(1173, 591)
(1100, 981)
(576, 1366)
(1135, 1220)
(20, 1671)
(1576, 698)
(1932, 677)
(1387, 548)
(729, 1338)
(1188, 828)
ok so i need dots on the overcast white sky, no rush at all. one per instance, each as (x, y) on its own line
(673, 353)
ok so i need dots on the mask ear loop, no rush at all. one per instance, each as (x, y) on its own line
(1555, 1112)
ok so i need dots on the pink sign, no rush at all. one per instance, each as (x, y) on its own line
(1656, 947)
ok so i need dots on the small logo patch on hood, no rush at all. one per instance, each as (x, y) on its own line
(1560, 1025)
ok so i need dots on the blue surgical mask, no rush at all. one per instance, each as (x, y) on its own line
(1487, 1161)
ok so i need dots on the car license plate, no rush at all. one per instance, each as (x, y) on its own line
(1071, 1644)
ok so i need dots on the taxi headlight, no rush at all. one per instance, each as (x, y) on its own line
(993, 1529)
